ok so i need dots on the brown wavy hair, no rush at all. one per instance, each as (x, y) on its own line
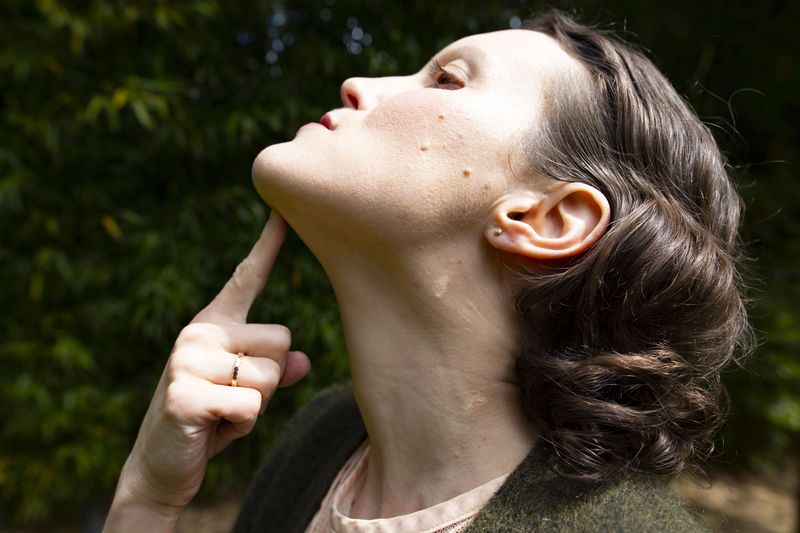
(623, 347)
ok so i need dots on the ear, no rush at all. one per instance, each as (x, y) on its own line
(556, 224)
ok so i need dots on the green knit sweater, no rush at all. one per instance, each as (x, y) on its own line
(288, 489)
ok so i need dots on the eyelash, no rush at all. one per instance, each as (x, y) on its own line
(435, 69)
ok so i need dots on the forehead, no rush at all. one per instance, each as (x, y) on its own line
(525, 69)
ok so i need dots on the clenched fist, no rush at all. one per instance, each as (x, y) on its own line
(198, 408)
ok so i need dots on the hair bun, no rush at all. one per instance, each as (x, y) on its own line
(609, 412)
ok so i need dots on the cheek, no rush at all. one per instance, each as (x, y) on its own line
(406, 117)
(444, 164)
(444, 131)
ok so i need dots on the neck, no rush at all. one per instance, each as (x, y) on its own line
(432, 340)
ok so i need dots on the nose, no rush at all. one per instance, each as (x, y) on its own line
(366, 93)
(351, 93)
(356, 93)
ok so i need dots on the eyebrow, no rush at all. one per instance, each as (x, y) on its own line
(479, 54)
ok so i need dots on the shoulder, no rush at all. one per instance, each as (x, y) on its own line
(302, 462)
(534, 498)
(640, 502)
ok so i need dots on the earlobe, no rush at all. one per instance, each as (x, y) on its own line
(563, 222)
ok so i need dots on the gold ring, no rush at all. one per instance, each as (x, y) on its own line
(236, 369)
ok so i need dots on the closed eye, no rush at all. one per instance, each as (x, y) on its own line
(442, 77)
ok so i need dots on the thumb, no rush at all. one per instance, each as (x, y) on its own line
(298, 365)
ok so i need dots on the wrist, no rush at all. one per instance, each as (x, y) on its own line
(133, 495)
(135, 508)
(133, 512)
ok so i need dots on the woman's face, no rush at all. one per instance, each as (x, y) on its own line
(408, 156)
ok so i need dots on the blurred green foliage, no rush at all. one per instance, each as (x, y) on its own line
(128, 131)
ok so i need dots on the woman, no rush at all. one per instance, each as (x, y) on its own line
(531, 242)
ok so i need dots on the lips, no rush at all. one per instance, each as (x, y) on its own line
(326, 121)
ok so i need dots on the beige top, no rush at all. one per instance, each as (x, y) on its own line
(450, 516)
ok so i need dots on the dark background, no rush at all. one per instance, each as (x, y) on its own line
(128, 133)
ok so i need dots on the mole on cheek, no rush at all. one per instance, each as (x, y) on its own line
(423, 148)
(441, 118)
(466, 172)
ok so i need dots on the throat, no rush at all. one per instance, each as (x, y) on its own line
(432, 344)
(431, 440)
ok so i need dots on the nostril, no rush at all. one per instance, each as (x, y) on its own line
(351, 94)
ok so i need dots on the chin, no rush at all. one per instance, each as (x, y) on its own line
(291, 181)
(272, 172)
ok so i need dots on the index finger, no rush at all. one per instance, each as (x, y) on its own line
(234, 300)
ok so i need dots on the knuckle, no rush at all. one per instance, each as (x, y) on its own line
(284, 337)
(182, 361)
(198, 333)
(173, 370)
(241, 269)
(272, 375)
(176, 401)
(254, 405)
(245, 270)
(249, 406)
(205, 315)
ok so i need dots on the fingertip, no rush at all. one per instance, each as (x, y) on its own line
(274, 231)
(305, 360)
(275, 218)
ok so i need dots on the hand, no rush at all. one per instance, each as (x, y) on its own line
(195, 412)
